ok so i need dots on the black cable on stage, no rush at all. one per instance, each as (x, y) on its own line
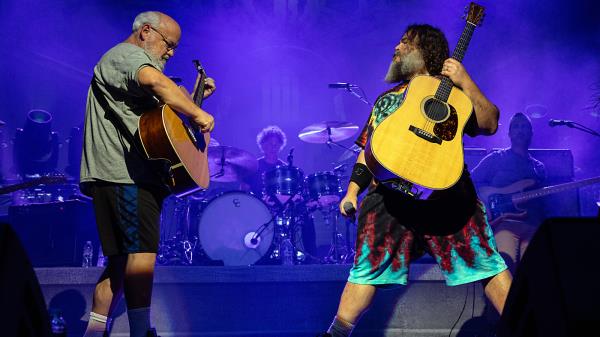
(461, 312)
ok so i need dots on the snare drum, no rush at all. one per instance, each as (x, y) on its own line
(283, 181)
(323, 188)
(234, 228)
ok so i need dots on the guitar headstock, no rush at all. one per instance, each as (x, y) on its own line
(475, 14)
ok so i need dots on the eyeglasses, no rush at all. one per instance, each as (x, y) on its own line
(170, 45)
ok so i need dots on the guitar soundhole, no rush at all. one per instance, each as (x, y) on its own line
(436, 110)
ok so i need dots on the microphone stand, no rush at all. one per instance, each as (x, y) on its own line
(575, 125)
(361, 96)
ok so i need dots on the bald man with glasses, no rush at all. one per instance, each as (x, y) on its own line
(127, 194)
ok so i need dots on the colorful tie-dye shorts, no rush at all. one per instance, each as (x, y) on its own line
(394, 230)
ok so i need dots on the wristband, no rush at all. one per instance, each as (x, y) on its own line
(361, 176)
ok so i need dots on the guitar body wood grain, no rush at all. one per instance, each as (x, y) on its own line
(395, 149)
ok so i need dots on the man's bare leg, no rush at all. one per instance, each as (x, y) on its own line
(496, 289)
(356, 299)
(107, 294)
(139, 277)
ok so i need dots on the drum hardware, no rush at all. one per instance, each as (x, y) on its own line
(179, 251)
(341, 250)
(230, 164)
(237, 228)
(349, 154)
(283, 182)
(227, 229)
(329, 132)
(323, 188)
(284, 221)
(177, 244)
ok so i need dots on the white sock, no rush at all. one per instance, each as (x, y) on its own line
(96, 325)
(139, 321)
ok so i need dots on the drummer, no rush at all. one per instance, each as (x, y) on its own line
(271, 140)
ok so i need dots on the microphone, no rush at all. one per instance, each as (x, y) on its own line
(342, 85)
(349, 208)
(557, 122)
(290, 157)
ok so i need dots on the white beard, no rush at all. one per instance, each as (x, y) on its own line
(157, 60)
(408, 65)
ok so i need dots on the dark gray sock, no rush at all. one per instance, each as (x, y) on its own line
(340, 328)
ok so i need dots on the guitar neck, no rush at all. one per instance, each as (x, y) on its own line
(198, 94)
(32, 183)
(458, 54)
(524, 196)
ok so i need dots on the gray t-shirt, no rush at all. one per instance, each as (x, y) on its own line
(107, 154)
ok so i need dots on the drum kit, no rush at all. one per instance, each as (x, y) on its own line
(233, 227)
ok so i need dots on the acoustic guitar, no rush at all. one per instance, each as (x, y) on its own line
(169, 136)
(504, 201)
(421, 141)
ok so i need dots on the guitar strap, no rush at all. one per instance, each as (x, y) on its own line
(161, 167)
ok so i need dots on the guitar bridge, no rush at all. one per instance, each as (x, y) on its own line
(425, 135)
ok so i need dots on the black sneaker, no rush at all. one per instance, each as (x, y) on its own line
(152, 333)
(324, 334)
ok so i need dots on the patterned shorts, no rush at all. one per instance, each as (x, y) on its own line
(393, 230)
(127, 217)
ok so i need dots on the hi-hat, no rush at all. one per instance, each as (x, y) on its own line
(330, 131)
(228, 164)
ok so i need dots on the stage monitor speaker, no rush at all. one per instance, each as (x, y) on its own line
(54, 233)
(22, 305)
(555, 289)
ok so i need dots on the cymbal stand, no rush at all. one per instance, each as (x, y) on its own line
(330, 142)
(350, 250)
(337, 250)
(222, 164)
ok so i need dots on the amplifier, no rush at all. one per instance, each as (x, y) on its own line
(53, 233)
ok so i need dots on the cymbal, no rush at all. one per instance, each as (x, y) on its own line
(323, 132)
(2, 123)
(228, 164)
(213, 142)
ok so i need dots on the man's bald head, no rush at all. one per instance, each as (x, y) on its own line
(157, 33)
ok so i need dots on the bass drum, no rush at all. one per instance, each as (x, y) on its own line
(235, 228)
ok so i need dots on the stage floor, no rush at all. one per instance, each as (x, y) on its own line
(274, 301)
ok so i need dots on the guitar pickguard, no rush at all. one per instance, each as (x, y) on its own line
(447, 129)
